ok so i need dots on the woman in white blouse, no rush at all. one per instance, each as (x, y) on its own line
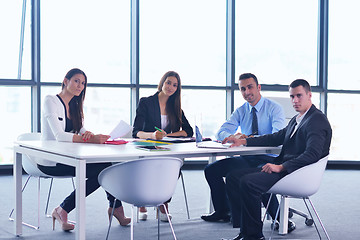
(62, 120)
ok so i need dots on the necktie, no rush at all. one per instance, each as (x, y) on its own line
(254, 125)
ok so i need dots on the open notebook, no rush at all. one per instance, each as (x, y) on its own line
(207, 144)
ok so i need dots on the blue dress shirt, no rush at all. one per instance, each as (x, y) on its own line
(270, 115)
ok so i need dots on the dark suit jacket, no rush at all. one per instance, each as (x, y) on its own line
(310, 143)
(148, 116)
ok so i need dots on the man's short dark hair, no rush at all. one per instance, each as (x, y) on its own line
(301, 82)
(248, 75)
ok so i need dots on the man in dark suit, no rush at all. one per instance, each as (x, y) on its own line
(305, 140)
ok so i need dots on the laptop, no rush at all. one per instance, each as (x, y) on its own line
(208, 144)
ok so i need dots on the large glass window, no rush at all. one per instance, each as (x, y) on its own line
(184, 37)
(344, 39)
(105, 107)
(10, 18)
(276, 40)
(15, 109)
(89, 35)
(344, 114)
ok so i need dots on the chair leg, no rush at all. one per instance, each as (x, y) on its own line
(186, 201)
(132, 223)
(158, 222)
(38, 202)
(300, 213)
(267, 207)
(317, 216)
(274, 221)
(137, 214)
(167, 215)
(48, 198)
(110, 220)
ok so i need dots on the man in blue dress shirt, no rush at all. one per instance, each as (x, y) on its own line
(269, 118)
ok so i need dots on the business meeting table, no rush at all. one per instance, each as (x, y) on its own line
(80, 154)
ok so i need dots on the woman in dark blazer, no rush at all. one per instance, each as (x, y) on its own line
(161, 115)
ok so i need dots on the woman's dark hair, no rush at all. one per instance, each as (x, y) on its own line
(76, 103)
(173, 105)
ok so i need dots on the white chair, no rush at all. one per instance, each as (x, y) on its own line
(30, 167)
(286, 104)
(185, 198)
(301, 183)
(142, 182)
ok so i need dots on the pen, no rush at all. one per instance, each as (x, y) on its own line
(159, 129)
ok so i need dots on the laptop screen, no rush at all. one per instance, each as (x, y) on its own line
(198, 136)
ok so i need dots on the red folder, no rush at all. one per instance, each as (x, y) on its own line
(116, 142)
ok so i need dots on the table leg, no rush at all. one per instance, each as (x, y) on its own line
(284, 215)
(18, 194)
(80, 200)
(212, 159)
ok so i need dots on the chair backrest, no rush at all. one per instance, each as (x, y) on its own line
(142, 182)
(28, 163)
(303, 182)
(289, 111)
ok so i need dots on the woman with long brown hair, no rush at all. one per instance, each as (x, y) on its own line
(161, 115)
(62, 120)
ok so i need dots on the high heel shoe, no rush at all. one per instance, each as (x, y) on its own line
(65, 226)
(120, 216)
(143, 214)
(163, 216)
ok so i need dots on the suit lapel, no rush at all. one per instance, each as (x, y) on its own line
(157, 116)
(306, 117)
(290, 129)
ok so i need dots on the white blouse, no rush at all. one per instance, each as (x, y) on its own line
(164, 121)
(53, 124)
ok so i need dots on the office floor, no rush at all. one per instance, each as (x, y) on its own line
(337, 202)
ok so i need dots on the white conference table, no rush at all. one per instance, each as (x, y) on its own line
(79, 154)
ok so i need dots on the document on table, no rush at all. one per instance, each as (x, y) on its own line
(121, 129)
(177, 139)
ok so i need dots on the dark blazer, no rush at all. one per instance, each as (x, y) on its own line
(148, 116)
(310, 142)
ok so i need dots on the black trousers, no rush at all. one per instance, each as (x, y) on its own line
(92, 172)
(215, 172)
(245, 188)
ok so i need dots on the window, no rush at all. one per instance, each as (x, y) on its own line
(15, 109)
(343, 115)
(105, 107)
(10, 17)
(89, 35)
(276, 40)
(344, 48)
(183, 37)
